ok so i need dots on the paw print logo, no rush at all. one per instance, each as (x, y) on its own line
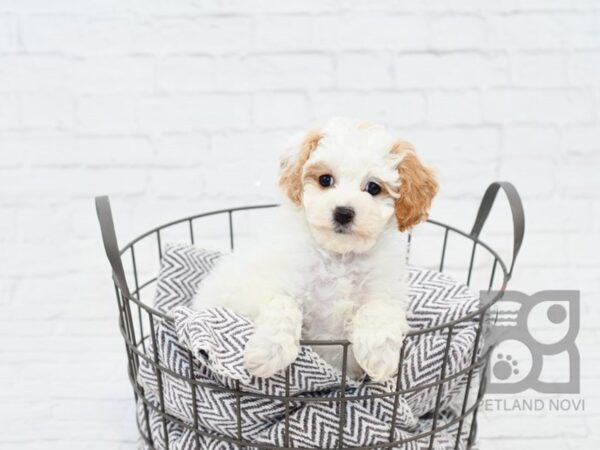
(505, 367)
(527, 331)
(511, 364)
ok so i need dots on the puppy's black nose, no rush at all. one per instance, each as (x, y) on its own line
(343, 215)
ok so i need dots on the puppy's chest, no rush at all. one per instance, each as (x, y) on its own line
(332, 293)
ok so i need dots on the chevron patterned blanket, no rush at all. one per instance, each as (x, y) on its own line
(208, 346)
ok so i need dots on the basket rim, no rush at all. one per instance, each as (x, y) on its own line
(229, 211)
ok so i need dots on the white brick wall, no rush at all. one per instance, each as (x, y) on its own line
(173, 107)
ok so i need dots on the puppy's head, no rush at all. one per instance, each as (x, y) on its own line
(351, 179)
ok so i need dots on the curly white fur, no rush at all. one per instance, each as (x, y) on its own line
(306, 278)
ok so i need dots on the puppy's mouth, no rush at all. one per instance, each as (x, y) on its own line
(349, 230)
(346, 230)
(342, 229)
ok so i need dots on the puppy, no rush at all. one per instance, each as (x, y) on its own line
(331, 265)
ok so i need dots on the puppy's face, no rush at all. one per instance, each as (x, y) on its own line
(351, 179)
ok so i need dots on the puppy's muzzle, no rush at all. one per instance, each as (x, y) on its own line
(343, 215)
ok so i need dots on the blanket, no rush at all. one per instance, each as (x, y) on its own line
(208, 347)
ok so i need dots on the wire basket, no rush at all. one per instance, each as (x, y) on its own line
(138, 320)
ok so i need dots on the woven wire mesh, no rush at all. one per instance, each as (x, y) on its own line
(138, 326)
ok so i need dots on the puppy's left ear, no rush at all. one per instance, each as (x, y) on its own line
(418, 186)
(290, 177)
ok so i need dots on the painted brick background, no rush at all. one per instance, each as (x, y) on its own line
(174, 107)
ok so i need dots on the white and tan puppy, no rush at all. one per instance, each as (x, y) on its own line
(332, 264)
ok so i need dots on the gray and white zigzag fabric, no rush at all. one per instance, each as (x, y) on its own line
(208, 346)
(182, 268)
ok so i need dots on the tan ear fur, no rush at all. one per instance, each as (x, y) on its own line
(290, 179)
(418, 186)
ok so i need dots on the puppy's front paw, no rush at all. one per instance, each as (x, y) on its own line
(267, 354)
(378, 358)
(377, 336)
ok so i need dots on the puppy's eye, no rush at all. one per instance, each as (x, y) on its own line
(373, 188)
(326, 180)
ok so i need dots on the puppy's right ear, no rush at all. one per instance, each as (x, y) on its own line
(290, 177)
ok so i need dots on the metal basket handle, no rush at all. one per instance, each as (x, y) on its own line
(109, 238)
(516, 208)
